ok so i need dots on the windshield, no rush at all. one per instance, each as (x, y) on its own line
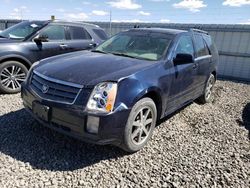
(22, 30)
(149, 46)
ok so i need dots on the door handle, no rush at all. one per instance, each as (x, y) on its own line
(63, 46)
(92, 45)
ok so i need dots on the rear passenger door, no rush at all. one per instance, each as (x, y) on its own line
(203, 59)
(78, 39)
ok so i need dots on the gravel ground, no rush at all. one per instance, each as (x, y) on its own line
(201, 146)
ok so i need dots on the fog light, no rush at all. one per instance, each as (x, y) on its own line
(93, 124)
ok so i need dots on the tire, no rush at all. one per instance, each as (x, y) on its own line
(208, 96)
(12, 74)
(137, 133)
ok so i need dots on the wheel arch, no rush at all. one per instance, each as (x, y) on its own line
(154, 94)
(20, 59)
(215, 74)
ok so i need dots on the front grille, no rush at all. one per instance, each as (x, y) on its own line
(55, 90)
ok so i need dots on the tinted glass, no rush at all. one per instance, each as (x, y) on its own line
(150, 46)
(78, 33)
(201, 48)
(22, 30)
(100, 33)
(208, 42)
(185, 45)
(211, 45)
(54, 32)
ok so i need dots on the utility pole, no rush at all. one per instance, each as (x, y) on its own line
(52, 17)
(21, 14)
(110, 23)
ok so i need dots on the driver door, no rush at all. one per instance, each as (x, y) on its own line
(183, 84)
(56, 43)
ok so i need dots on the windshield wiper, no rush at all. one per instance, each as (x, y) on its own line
(123, 55)
(99, 51)
(1, 36)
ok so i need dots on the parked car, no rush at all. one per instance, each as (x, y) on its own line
(27, 42)
(115, 93)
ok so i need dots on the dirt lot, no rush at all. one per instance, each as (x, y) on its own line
(206, 146)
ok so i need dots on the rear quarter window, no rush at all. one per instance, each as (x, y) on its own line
(100, 33)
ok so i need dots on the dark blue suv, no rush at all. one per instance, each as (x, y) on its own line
(29, 41)
(115, 93)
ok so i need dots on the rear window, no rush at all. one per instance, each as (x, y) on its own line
(78, 33)
(100, 33)
(201, 48)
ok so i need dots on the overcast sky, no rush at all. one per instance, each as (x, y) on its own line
(174, 11)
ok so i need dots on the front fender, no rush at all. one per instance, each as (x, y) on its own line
(14, 56)
(130, 90)
(152, 89)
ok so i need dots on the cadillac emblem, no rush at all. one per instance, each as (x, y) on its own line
(45, 88)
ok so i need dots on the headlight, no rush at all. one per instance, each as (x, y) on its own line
(103, 97)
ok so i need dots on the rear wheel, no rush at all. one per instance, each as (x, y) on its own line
(208, 96)
(12, 75)
(140, 125)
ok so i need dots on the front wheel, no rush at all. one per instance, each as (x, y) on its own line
(208, 96)
(12, 75)
(140, 125)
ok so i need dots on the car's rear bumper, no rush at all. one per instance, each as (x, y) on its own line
(72, 120)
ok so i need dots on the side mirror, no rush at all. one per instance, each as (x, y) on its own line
(40, 39)
(181, 59)
(92, 45)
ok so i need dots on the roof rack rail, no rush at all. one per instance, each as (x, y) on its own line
(198, 31)
(74, 22)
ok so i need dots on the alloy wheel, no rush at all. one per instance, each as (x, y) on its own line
(209, 88)
(12, 77)
(142, 125)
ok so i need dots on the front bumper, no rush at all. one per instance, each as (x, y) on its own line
(72, 119)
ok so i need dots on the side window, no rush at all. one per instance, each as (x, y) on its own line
(185, 45)
(208, 42)
(100, 33)
(54, 32)
(78, 33)
(201, 48)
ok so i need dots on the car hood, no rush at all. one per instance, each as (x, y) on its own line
(89, 68)
(6, 41)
